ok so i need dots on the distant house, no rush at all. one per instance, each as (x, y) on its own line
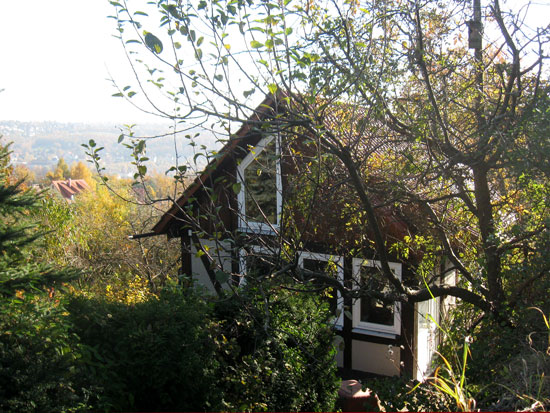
(69, 188)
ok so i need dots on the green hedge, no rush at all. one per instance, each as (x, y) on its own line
(182, 352)
(155, 355)
(282, 355)
(39, 358)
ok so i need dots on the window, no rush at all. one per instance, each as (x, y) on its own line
(330, 265)
(370, 313)
(260, 197)
(255, 261)
(426, 342)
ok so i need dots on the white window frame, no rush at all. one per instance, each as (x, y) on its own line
(245, 224)
(367, 327)
(427, 318)
(339, 261)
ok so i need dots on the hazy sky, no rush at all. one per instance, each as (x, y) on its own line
(56, 56)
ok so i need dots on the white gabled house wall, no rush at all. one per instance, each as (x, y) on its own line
(220, 252)
(367, 356)
(427, 318)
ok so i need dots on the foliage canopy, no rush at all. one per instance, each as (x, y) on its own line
(438, 121)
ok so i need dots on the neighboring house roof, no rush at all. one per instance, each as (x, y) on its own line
(70, 187)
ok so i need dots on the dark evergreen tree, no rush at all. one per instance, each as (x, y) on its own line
(37, 351)
(19, 269)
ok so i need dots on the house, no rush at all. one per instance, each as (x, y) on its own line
(70, 188)
(269, 199)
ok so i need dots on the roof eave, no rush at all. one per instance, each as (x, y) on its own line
(162, 226)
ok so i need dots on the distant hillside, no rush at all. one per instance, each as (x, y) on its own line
(39, 145)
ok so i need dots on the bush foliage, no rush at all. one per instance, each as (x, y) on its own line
(178, 351)
(278, 353)
(39, 358)
(154, 355)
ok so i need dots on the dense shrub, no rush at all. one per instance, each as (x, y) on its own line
(172, 353)
(38, 358)
(154, 355)
(402, 394)
(281, 357)
(510, 365)
(180, 351)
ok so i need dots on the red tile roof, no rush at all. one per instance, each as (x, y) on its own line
(70, 187)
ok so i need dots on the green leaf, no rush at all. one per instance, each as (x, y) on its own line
(142, 170)
(120, 138)
(140, 147)
(223, 18)
(256, 44)
(118, 95)
(130, 94)
(222, 277)
(153, 43)
(272, 88)
(236, 187)
(247, 93)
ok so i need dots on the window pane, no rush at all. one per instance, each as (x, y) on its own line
(261, 186)
(259, 265)
(372, 309)
(329, 268)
